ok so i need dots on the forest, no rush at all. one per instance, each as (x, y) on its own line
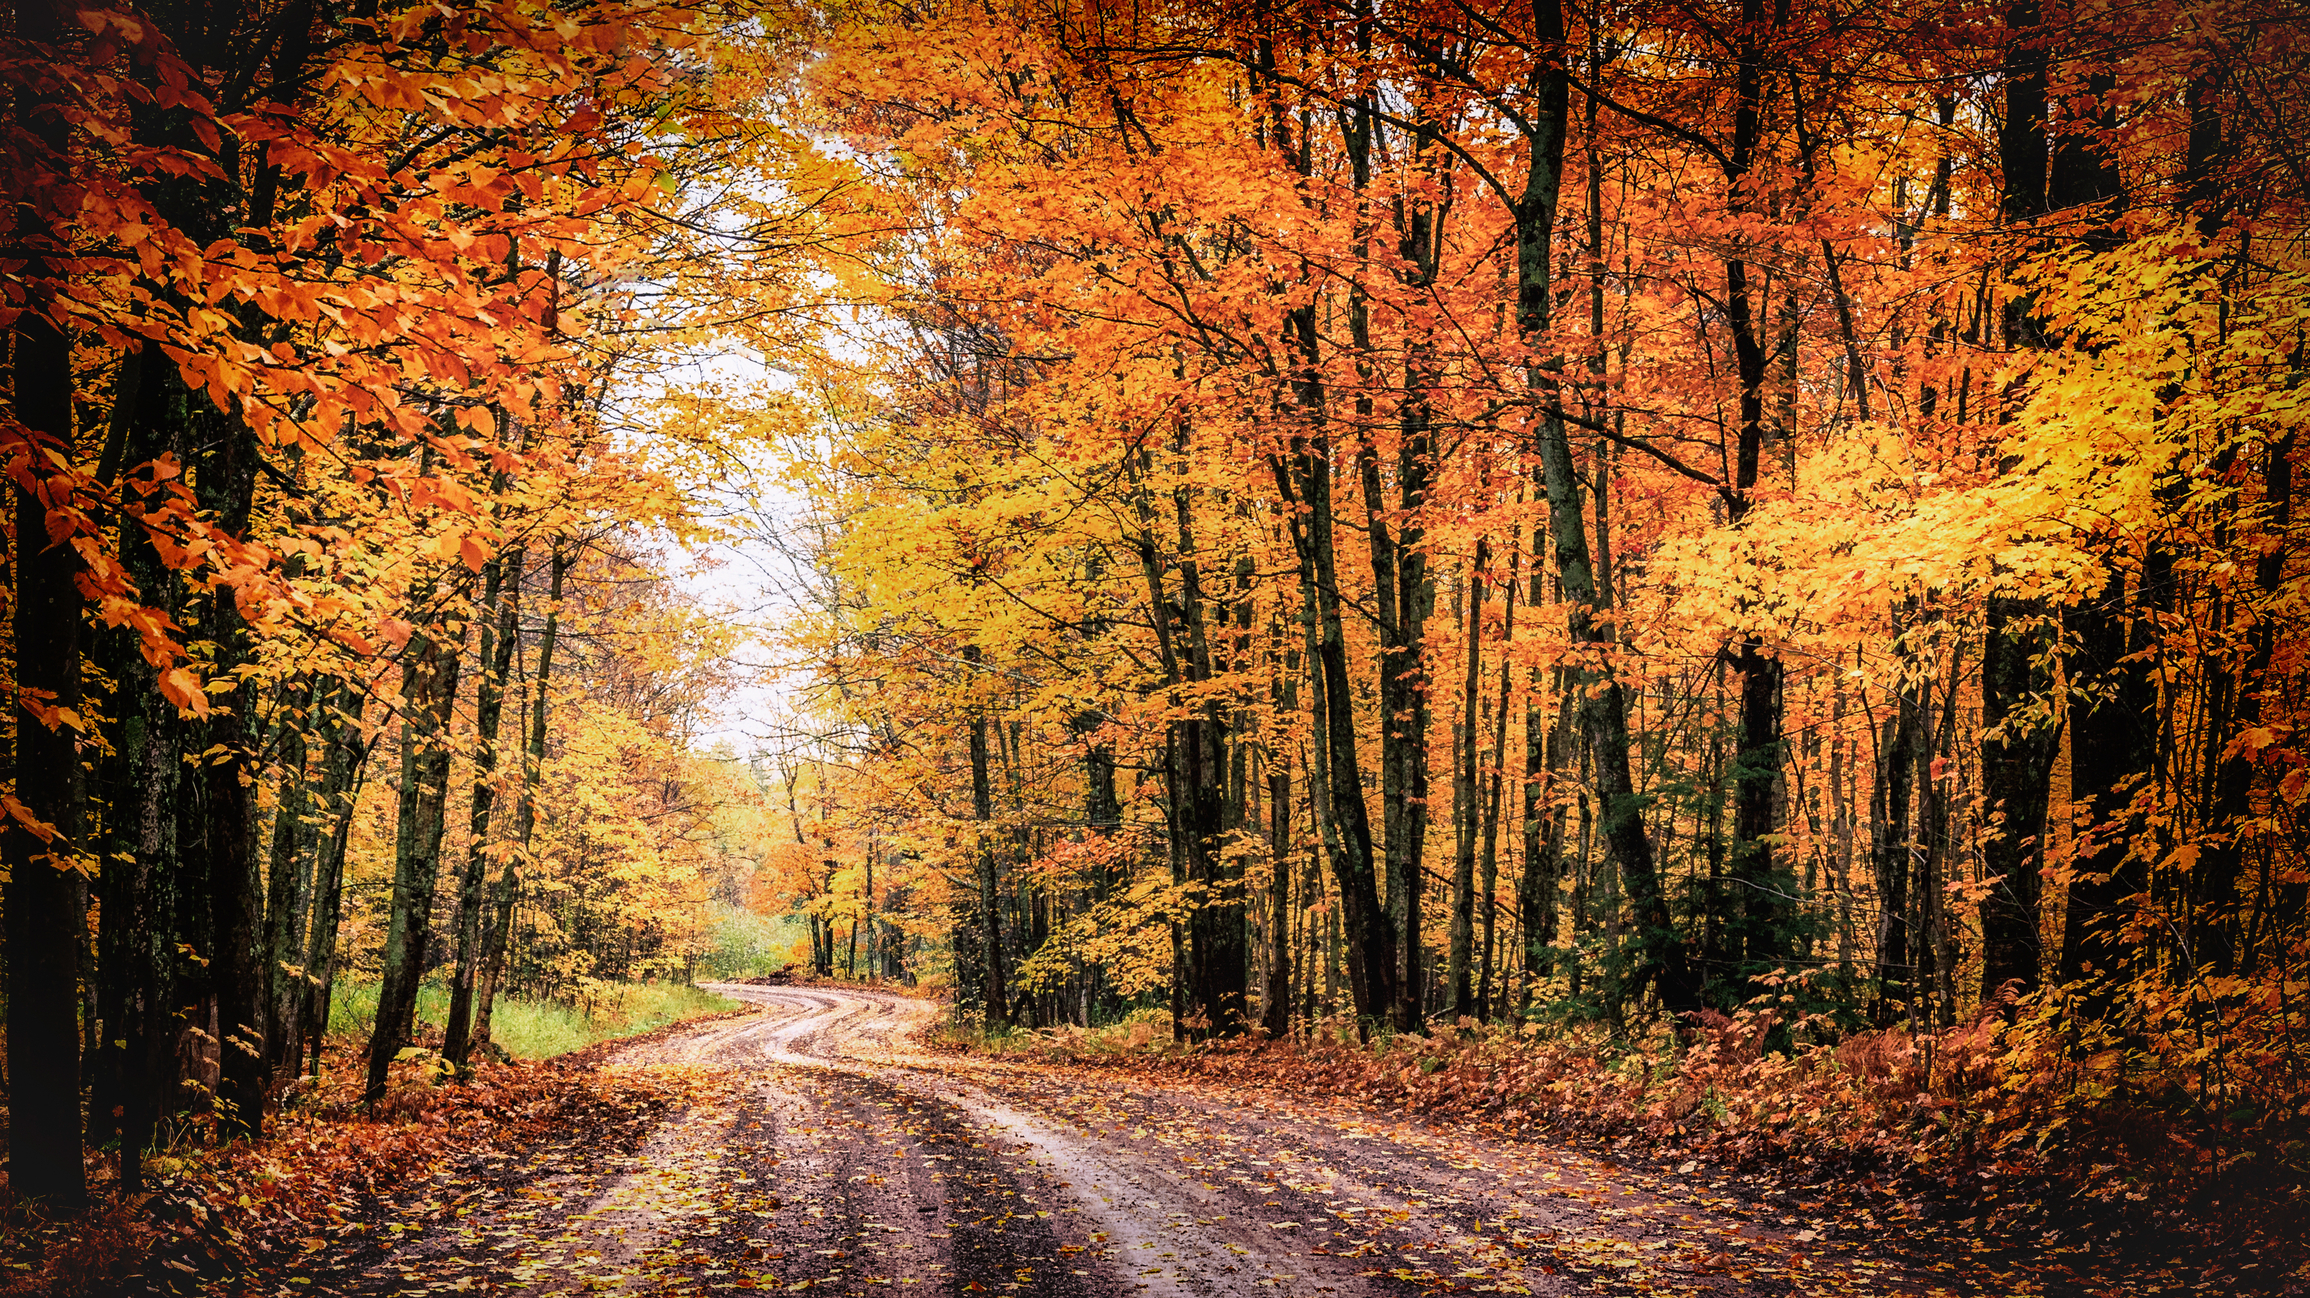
(1619, 528)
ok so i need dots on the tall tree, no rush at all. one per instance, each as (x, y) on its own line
(1603, 708)
(42, 838)
(429, 671)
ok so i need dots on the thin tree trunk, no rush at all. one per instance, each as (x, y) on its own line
(1841, 817)
(1283, 693)
(497, 944)
(1604, 712)
(998, 1013)
(430, 669)
(344, 756)
(1891, 847)
(1465, 787)
(500, 634)
(1221, 954)
(1304, 482)
(2222, 945)
(1486, 1004)
(1547, 747)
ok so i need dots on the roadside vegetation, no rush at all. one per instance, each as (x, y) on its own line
(540, 1029)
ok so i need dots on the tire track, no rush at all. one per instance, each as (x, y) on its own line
(823, 1150)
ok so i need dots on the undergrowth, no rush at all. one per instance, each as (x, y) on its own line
(540, 1029)
(209, 1212)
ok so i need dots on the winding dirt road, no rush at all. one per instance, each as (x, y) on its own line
(821, 1150)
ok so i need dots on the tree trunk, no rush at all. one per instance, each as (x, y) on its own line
(983, 858)
(2113, 729)
(2017, 752)
(1762, 916)
(1216, 927)
(226, 825)
(2220, 945)
(2018, 748)
(1303, 474)
(288, 885)
(1303, 480)
(1891, 845)
(1547, 748)
(345, 756)
(1603, 709)
(500, 634)
(1465, 815)
(1323, 825)
(1487, 1002)
(150, 914)
(497, 943)
(1367, 934)
(430, 669)
(43, 922)
(1279, 854)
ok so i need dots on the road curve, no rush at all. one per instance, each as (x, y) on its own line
(1183, 1191)
(822, 1149)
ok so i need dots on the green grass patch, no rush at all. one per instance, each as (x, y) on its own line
(531, 1029)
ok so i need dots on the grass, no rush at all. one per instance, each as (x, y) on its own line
(528, 1029)
(1138, 1030)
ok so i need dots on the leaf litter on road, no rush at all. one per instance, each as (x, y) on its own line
(811, 1147)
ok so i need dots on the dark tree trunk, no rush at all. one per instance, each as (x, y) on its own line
(2113, 730)
(1759, 934)
(2018, 748)
(1304, 481)
(345, 755)
(500, 635)
(119, 882)
(1279, 853)
(41, 902)
(2016, 755)
(1547, 748)
(497, 942)
(1604, 707)
(2220, 945)
(1765, 913)
(984, 859)
(430, 668)
(288, 883)
(151, 914)
(1401, 586)
(1465, 816)
(1487, 998)
(1892, 844)
(1219, 952)
(226, 820)
(2113, 704)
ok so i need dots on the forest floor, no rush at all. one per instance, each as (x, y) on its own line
(817, 1145)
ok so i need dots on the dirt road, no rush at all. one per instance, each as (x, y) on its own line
(820, 1150)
